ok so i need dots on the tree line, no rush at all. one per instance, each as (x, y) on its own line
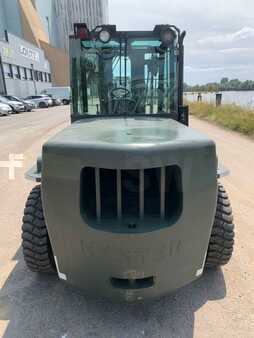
(224, 85)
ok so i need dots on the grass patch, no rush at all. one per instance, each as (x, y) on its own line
(229, 116)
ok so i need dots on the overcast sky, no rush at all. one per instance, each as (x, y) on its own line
(220, 34)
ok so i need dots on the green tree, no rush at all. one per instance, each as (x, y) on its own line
(234, 84)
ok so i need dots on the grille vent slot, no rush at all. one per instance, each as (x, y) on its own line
(108, 194)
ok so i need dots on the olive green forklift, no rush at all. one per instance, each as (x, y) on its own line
(128, 205)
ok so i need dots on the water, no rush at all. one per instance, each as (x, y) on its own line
(241, 98)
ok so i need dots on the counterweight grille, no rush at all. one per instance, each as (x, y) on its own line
(108, 194)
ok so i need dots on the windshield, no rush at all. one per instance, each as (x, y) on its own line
(125, 76)
(11, 98)
(4, 99)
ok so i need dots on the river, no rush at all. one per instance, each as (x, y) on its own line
(241, 98)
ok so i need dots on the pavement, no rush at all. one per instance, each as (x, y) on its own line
(219, 304)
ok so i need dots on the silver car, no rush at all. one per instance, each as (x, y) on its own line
(42, 101)
(28, 104)
(17, 107)
(5, 109)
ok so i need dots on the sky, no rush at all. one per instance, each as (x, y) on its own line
(220, 34)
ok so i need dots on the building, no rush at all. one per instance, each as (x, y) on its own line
(24, 69)
(58, 17)
(11, 23)
(46, 11)
(46, 26)
(67, 12)
(25, 22)
(34, 31)
(14, 18)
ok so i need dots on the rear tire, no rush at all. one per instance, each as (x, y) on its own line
(36, 245)
(42, 105)
(221, 243)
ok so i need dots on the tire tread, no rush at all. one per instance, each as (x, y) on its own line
(221, 243)
(36, 246)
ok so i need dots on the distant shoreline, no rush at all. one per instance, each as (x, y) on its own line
(244, 98)
(219, 91)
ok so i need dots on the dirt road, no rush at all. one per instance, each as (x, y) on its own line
(220, 304)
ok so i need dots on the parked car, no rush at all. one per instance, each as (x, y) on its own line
(42, 101)
(63, 93)
(50, 101)
(56, 101)
(17, 107)
(5, 109)
(29, 105)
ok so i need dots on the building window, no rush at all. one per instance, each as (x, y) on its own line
(36, 75)
(40, 76)
(49, 77)
(45, 77)
(16, 72)
(30, 72)
(8, 73)
(23, 73)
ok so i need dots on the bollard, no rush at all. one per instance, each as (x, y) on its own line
(199, 97)
(218, 99)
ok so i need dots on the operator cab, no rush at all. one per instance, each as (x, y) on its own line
(127, 73)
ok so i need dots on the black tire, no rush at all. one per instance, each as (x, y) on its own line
(42, 105)
(221, 243)
(65, 102)
(36, 245)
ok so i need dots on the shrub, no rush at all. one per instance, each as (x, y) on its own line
(230, 116)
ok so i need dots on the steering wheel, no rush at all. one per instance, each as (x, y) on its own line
(119, 93)
(121, 100)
